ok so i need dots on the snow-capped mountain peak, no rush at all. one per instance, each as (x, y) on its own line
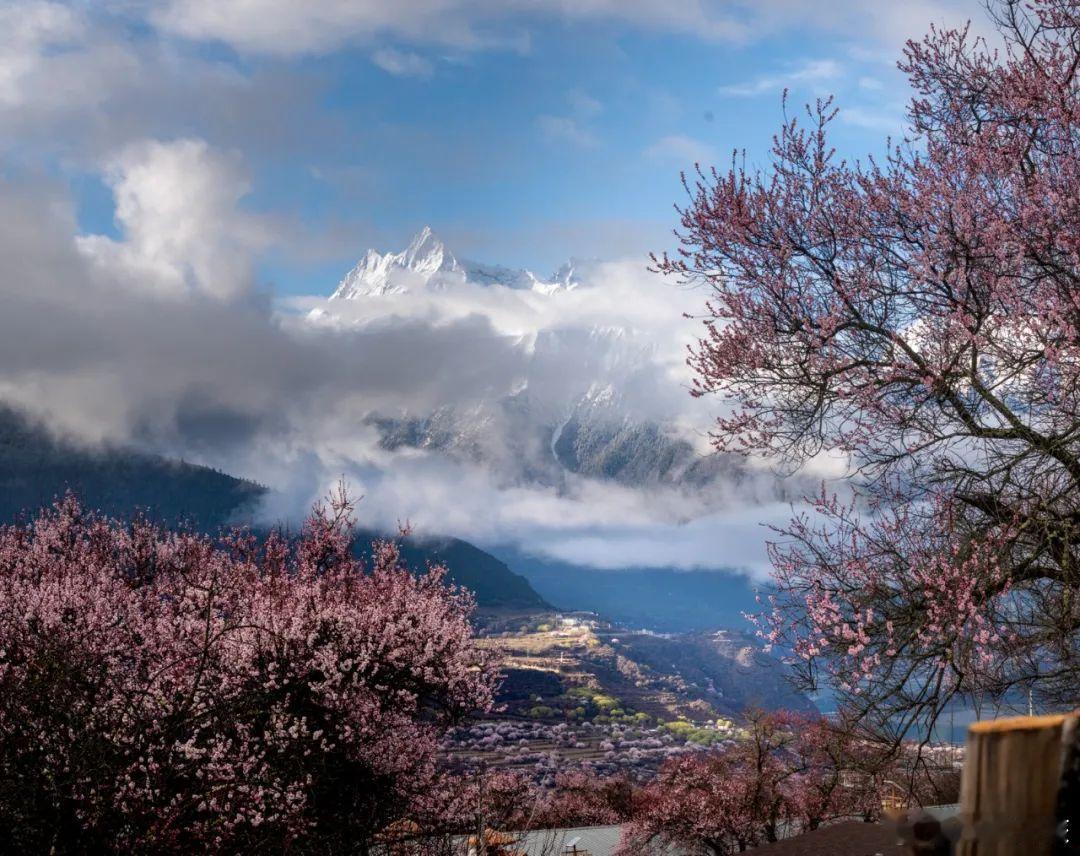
(426, 264)
(426, 254)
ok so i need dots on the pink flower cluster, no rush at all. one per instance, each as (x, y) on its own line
(865, 590)
(162, 688)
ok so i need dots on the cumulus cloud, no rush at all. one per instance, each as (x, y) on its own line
(77, 83)
(31, 30)
(98, 357)
(177, 205)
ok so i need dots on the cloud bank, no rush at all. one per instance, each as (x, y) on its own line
(283, 27)
(160, 330)
(158, 337)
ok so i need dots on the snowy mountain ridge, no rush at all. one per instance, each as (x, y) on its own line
(427, 264)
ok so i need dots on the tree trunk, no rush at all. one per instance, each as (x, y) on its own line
(1015, 791)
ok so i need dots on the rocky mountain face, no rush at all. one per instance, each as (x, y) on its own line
(599, 441)
(520, 444)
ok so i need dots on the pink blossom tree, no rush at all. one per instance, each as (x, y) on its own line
(700, 801)
(505, 799)
(470, 801)
(834, 774)
(583, 798)
(786, 775)
(918, 315)
(162, 690)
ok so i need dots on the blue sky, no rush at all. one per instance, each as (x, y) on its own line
(572, 149)
(524, 137)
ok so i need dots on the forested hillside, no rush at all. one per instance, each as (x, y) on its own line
(35, 468)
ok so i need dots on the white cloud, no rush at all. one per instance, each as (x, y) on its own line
(881, 27)
(682, 150)
(583, 104)
(564, 129)
(289, 28)
(177, 205)
(51, 58)
(892, 121)
(100, 360)
(811, 73)
(589, 523)
(271, 397)
(733, 538)
(26, 29)
(78, 82)
(402, 63)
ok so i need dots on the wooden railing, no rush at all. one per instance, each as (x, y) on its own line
(1020, 790)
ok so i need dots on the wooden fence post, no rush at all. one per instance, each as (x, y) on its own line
(1014, 793)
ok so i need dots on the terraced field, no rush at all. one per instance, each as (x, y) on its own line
(581, 691)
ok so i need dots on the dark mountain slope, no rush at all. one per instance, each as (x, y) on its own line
(662, 599)
(35, 469)
(728, 668)
(493, 583)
